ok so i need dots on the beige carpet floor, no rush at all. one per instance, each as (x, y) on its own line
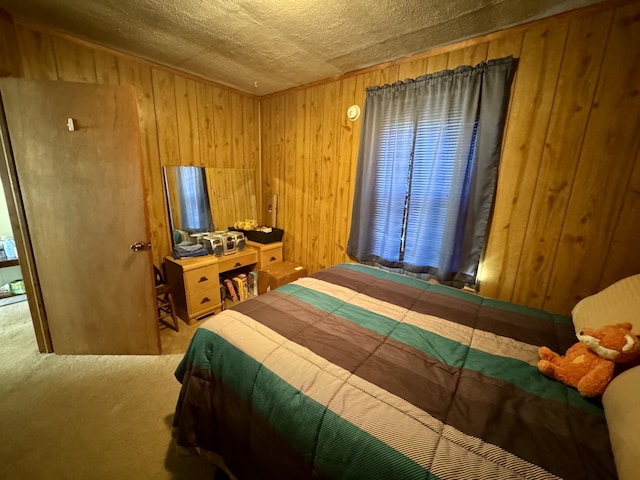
(88, 417)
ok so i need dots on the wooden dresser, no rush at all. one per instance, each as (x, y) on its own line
(195, 282)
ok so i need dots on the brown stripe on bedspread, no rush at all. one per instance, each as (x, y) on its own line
(422, 380)
(519, 326)
(516, 424)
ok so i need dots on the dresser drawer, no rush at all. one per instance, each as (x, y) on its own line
(267, 257)
(203, 278)
(203, 301)
(237, 260)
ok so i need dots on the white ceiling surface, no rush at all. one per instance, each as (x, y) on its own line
(279, 44)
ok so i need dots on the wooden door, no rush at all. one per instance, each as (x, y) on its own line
(82, 191)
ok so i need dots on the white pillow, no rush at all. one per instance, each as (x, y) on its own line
(622, 409)
(617, 303)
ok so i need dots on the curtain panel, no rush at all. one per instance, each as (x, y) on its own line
(427, 171)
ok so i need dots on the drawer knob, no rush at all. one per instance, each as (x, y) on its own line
(272, 259)
(238, 264)
(205, 300)
(203, 279)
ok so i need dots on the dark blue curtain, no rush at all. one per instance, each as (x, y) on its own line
(427, 171)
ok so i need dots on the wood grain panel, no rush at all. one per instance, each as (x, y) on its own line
(207, 134)
(411, 69)
(530, 106)
(106, 67)
(36, 54)
(472, 55)
(296, 236)
(346, 158)
(222, 126)
(437, 63)
(606, 164)
(237, 128)
(569, 116)
(74, 61)
(290, 165)
(166, 117)
(10, 63)
(328, 164)
(187, 120)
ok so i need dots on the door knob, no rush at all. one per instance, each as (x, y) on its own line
(139, 246)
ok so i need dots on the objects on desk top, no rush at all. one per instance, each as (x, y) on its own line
(259, 233)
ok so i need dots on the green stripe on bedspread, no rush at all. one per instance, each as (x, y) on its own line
(453, 292)
(516, 372)
(334, 445)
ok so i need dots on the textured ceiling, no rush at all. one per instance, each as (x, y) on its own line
(279, 44)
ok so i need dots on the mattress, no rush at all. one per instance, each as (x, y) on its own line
(358, 373)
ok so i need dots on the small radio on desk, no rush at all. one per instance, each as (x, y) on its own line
(225, 242)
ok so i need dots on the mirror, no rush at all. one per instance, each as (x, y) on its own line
(188, 202)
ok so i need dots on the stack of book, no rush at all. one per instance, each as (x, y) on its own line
(242, 286)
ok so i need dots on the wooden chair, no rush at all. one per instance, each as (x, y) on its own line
(164, 301)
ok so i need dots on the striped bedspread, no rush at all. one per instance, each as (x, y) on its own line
(357, 373)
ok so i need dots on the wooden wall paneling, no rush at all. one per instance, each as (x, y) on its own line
(140, 77)
(315, 176)
(250, 120)
(530, 106)
(606, 164)
(10, 63)
(288, 206)
(237, 129)
(249, 198)
(346, 157)
(166, 117)
(296, 235)
(389, 75)
(574, 93)
(75, 61)
(508, 44)
(204, 96)
(266, 141)
(307, 187)
(471, 55)
(222, 126)
(106, 67)
(623, 257)
(328, 165)
(36, 54)
(437, 63)
(187, 120)
(411, 69)
(276, 154)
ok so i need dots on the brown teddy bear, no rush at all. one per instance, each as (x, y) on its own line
(589, 364)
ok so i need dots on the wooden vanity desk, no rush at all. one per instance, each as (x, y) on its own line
(195, 282)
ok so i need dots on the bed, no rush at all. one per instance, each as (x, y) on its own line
(358, 373)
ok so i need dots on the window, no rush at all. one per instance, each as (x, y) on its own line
(427, 170)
